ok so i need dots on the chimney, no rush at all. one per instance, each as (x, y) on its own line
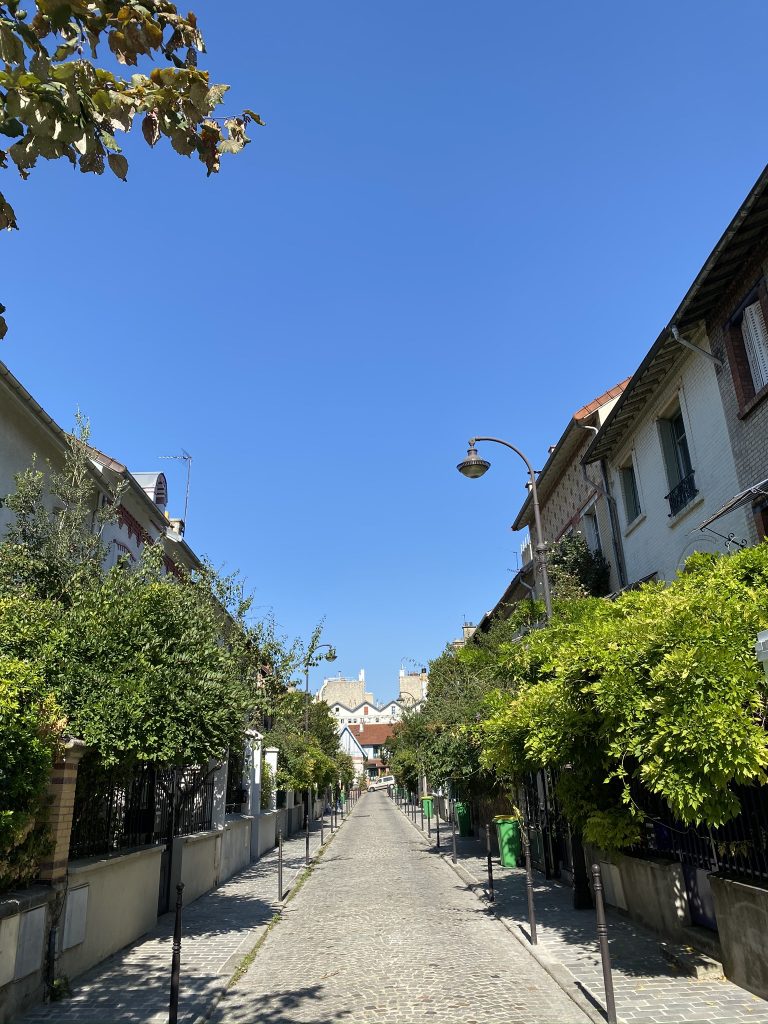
(361, 677)
(177, 525)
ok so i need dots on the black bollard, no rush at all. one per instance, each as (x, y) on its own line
(529, 884)
(173, 1005)
(453, 830)
(322, 828)
(279, 864)
(306, 841)
(602, 938)
(413, 807)
(421, 811)
(490, 864)
(437, 825)
(429, 821)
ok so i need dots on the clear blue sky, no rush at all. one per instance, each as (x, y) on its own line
(461, 218)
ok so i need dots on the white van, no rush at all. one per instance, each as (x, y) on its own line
(383, 782)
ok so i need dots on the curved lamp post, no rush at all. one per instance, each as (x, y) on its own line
(310, 662)
(473, 467)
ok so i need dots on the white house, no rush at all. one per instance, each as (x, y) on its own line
(667, 453)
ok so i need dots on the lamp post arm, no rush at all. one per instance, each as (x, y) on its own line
(541, 548)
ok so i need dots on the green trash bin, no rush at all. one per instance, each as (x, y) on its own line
(463, 818)
(426, 803)
(508, 832)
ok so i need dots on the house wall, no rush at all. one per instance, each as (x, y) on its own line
(654, 542)
(21, 437)
(748, 430)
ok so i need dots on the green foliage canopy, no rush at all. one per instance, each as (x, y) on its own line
(58, 103)
(657, 691)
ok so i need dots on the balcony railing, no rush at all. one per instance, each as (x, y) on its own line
(682, 494)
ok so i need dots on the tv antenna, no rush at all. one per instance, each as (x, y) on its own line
(184, 457)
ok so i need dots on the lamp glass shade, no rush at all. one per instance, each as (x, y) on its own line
(473, 466)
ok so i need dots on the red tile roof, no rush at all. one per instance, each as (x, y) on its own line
(371, 734)
(594, 405)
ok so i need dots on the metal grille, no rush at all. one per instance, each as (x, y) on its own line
(237, 795)
(114, 811)
(738, 849)
(682, 494)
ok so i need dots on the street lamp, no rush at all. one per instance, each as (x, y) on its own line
(308, 663)
(474, 467)
(330, 656)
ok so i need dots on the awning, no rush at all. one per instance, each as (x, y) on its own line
(743, 498)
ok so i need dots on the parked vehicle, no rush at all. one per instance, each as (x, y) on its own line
(383, 782)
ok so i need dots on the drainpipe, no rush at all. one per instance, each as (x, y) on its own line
(605, 488)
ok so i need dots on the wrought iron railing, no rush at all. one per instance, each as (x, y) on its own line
(682, 494)
(237, 794)
(146, 806)
(738, 849)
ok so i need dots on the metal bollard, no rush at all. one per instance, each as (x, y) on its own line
(421, 812)
(490, 864)
(173, 1005)
(453, 830)
(413, 807)
(429, 822)
(437, 825)
(322, 828)
(306, 841)
(279, 864)
(602, 938)
(529, 884)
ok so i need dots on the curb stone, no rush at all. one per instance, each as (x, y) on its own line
(576, 991)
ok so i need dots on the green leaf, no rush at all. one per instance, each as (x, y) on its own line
(118, 165)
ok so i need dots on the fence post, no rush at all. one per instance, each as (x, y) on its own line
(453, 830)
(490, 864)
(602, 938)
(279, 864)
(173, 1006)
(529, 883)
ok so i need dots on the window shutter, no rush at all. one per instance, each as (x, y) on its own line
(755, 335)
(668, 449)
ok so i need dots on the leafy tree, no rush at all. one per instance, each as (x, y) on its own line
(577, 571)
(657, 692)
(31, 726)
(56, 102)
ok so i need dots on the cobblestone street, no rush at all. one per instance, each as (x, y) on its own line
(384, 932)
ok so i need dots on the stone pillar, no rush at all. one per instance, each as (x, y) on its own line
(61, 790)
(253, 782)
(219, 815)
(270, 756)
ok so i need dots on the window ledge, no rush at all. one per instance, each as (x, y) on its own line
(697, 502)
(634, 524)
(753, 403)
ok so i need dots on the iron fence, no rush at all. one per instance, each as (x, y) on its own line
(738, 849)
(115, 811)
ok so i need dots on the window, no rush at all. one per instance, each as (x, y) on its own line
(755, 337)
(677, 458)
(591, 530)
(746, 342)
(630, 493)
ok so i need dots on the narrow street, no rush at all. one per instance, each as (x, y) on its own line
(383, 931)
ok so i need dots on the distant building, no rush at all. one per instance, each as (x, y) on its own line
(413, 686)
(372, 739)
(349, 692)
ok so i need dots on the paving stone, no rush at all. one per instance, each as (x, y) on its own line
(383, 932)
(220, 928)
(648, 989)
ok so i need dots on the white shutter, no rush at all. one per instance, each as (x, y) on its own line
(755, 336)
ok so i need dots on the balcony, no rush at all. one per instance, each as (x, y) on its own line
(681, 495)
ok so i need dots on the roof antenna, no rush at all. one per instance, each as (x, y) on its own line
(184, 457)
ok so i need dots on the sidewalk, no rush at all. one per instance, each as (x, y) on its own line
(219, 930)
(648, 989)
